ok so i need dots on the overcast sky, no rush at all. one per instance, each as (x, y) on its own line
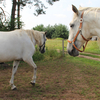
(59, 13)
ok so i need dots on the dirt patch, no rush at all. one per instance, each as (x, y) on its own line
(82, 56)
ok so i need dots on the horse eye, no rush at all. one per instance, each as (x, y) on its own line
(72, 25)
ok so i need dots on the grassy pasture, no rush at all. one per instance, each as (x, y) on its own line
(60, 78)
(92, 46)
(55, 44)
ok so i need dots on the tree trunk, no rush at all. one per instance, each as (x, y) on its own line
(18, 14)
(13, 15)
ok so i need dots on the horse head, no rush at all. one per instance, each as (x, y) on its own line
(79, 32)
(42, 43)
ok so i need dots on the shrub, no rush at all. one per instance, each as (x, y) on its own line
(38, 56)
(48, 55)
(56, 31)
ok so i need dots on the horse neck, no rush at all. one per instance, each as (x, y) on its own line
(93, 22)
(37, 37)
(31, 36)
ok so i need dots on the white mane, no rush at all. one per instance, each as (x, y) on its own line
(36, 34)
(95, 10)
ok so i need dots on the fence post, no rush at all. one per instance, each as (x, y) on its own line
(63, 47)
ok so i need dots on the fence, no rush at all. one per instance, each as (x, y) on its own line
(57, 44)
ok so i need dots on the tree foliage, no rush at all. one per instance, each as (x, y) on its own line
(38, 4)
(39, 27)
(56, 31)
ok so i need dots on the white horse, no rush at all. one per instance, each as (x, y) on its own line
(84, 25)
(20, 45)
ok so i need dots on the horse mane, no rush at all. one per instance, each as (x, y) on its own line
(88, 9)
(35, 34)
(30, 34)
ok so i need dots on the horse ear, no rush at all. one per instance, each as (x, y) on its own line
(75, 10)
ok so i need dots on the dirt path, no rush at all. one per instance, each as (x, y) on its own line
(83, 56)
(88, 57)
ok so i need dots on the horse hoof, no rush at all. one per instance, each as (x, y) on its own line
(14, 89)
(33, 84)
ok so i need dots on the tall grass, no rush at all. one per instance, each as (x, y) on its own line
(48, 55)
(56, 44)
(93, 47)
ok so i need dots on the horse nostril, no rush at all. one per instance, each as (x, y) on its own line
(42, 51)
(69, 52)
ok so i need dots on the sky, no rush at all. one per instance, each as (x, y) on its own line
(59, 13)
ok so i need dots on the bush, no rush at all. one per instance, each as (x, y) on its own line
(38, 56)
(48, 55)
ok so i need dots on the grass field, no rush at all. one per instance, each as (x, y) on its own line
(63, 78)
(92, 46)
(56, 44)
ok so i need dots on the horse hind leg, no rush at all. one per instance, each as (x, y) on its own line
(31, 63)
(14, 69)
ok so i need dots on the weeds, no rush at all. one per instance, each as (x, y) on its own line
(48, 55)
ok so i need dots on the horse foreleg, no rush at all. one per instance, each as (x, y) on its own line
(31, 63)
(14, 69)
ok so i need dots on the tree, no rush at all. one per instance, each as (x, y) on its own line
(50, 31)
(60, 31)
(18, 14)
(13, 15)
(4, 21)
(39, 8)
(56, 31)
(39, 27)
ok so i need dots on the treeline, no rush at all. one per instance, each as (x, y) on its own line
(56, 31)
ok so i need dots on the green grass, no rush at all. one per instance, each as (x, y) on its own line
(55, 44)
(92, 47)
(48, 55)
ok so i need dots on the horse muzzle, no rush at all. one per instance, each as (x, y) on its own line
(73, 52)
(42, 50)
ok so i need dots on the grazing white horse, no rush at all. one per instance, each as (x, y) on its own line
(20, 45)
(84, 25)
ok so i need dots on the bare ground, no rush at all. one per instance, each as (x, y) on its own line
(88, 57)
